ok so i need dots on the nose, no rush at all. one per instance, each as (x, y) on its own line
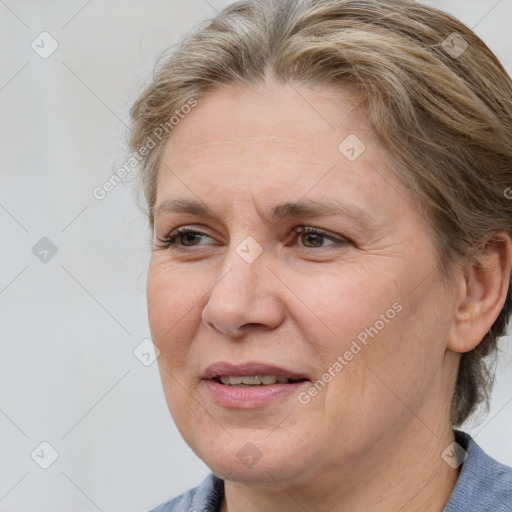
(245, 297)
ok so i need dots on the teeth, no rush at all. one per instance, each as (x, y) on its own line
(252, 380)
(231, 380)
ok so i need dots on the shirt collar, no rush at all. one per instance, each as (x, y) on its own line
(484, 484)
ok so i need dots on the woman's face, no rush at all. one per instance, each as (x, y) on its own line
(357, 307)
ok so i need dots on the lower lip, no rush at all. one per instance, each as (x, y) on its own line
(250, 397)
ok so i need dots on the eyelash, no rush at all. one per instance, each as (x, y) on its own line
(169, 242)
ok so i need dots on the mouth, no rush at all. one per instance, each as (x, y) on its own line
(250, 385)
(245, 381)
(251, 374)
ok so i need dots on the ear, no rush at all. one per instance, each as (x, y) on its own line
(483, 290)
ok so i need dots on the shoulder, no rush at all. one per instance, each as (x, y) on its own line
(484, 483)
(206, 497)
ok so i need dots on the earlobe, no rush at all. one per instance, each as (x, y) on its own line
(484, 287)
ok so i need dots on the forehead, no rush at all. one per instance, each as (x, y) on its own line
(274, 114)
(276, 144)
(270, 125)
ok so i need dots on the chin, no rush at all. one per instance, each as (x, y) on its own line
(255, 463)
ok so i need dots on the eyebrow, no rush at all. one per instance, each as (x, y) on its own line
(308, 209)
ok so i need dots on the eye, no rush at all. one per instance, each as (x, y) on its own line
(185, 236)
(314, 235)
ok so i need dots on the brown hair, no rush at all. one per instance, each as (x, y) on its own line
(435, 94)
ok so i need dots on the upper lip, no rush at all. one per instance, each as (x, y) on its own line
(224, 368)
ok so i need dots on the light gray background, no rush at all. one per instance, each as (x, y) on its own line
(68, 328)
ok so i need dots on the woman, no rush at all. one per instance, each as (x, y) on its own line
(326, 182)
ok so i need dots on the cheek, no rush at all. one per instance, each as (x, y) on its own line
(173, 309)
(173, 306)
(393, 372)
(378, 345)
(342, 306)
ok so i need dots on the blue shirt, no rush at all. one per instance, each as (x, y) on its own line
(483, 485)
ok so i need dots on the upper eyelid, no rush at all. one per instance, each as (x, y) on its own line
(192, 229)
(303, 228)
